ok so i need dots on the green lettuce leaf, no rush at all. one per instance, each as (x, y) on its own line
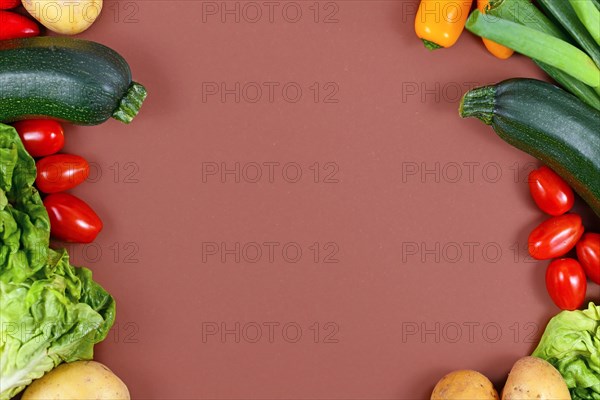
(50, 311)
(571, 343)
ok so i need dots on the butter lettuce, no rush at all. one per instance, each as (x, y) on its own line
(50, 311)
(571, 343)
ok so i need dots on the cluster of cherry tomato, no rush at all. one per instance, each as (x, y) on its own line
(13, 25)
(554, 238)
(71, 219)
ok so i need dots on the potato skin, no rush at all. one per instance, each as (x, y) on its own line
(464, 384)
(64, 16)
(534, 378)
(79, 380)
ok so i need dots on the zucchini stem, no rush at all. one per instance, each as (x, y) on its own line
(130, 103)
(479, 103)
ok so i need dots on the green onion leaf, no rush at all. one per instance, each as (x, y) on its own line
(589, 16)
(537, 45)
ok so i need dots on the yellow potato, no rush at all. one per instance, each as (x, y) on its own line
(80, 380)
(534, 378)
(464, 385)
(67, 17)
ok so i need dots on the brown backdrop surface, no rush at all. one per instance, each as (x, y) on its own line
(299, 213)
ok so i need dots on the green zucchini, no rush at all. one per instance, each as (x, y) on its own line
(546, 122)
(72, 80)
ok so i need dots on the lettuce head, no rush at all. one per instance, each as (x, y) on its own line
(571, 342)
(50, 311)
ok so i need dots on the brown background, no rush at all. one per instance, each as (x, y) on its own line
(432, 273)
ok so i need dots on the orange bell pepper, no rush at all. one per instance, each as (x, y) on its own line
(439, 23)
(498, 50)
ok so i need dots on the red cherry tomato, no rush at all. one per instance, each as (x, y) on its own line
(13, 26)
(41, 137)
(588, 253)
(71, 219)
(61, 172)
(8, 4)
(550, 192)
(555, 237)
(566, 284)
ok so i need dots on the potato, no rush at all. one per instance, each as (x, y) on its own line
(534, 378)
(464, 385)
(64, 16)
(79, 380)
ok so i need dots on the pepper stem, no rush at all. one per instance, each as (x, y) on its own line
(431, 45)
(479, 103)
(130, 103)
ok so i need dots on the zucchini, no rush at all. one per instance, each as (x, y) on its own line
(72, 80)
(579, 89)
(546, 122)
